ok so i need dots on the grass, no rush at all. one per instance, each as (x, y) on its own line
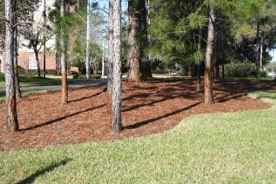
(49, 80)
(31, 81)
(28, 93)
(212, 148)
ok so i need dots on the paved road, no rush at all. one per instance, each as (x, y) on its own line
(78, 84)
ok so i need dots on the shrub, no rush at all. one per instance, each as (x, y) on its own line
(240, 70)
(75, 75)
(2, 77)
(262, 74)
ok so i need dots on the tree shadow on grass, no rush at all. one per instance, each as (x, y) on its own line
(31, 178)
(61, 118)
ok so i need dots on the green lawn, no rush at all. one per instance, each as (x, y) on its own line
(31, 80)
(212, 148)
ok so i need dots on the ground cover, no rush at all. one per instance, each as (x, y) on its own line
(148, 108)
(236, 147)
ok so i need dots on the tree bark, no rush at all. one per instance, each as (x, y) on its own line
(87, 63)
(217, 70)
(258, 45)
(190, 70)
(117, 86)
(146, 63)
(261, 54)
(223, 72)
(208, 87)
(11, 113)
(198, 81)
(58, 67)
(44, 40)
(64, 87)
(135, 50)
(137, 38)
(103, 59)
(15, 35)
(110, 47)
(37, 62)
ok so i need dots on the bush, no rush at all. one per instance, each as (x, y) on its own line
(23, 71)
(240, 70)
(75, 75)
(2, 77)
(262, 74)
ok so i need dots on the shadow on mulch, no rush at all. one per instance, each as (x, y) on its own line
(147, 108)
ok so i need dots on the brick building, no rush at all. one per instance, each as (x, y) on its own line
(26, 56)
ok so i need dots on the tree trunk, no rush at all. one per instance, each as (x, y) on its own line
(64, 87)
(44, 40)
(87, 63)
(137, 38)
(146, 63)
(117, 78)
(16, 75)
(11, 114)
(217, 70)
(110, 47)
(198, 81)
(37, 62)
(223, 72)
(261, 54)
(190, 70)
(44, 60)
(103, 60)
(15, 35)
(258, 46)
(208, 87)
(58, 67)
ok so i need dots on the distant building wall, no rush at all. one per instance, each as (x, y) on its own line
(27, 61)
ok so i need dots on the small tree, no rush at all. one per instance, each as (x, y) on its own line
(36, 33)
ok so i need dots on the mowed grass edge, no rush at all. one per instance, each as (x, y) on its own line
(235, 147)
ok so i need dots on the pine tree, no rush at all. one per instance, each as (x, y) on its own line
(110, 46)
(11, 113)
(208, 86)
(117, 75)
(64, 85)
(137, 21)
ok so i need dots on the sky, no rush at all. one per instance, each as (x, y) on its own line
(273, 55)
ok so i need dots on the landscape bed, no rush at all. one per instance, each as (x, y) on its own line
(148, 108)
(236, 147)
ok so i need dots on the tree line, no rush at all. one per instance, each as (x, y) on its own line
(206, 34)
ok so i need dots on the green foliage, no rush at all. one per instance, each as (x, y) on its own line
(196, 21)
(75, 75)
(198, 56)
(262, 74)
(2, 77)
(244, 69)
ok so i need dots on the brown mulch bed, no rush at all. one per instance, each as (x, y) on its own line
(148, 108)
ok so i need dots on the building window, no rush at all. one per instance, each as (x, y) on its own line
(32, 63)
